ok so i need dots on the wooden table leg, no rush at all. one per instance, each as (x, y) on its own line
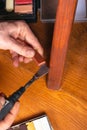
(62, 29)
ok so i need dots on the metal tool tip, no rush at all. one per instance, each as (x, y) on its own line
(42, 71)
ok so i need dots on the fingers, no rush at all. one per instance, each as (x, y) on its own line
(21, 58)
(18, 58)
(13, 113)
(2, 101)
(15, 59)
(8, 120)
(6, 123)
(20, 49)
(27, 35)
(27, 60)
(10, 32)
(32, 40)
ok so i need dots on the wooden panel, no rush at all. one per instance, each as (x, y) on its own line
(62, 29)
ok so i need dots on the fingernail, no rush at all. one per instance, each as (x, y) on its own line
(30, 53)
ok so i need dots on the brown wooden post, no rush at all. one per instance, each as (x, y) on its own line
(62, 29)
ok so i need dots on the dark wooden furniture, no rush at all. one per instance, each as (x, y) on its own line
(64, 19)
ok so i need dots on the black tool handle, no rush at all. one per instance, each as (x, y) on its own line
(10, 102)
(6, 108)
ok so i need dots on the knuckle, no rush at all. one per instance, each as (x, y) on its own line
(20, 23)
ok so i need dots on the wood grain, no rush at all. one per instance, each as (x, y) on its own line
(66, 108)
(64, 19)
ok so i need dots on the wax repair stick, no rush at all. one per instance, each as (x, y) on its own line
(9, 5)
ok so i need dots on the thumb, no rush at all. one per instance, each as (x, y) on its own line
(21, 49)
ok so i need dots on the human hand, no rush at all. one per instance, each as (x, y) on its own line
(21, 51)
(8, 120)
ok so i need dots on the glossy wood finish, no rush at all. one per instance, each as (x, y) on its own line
(62, 29)
(66, 108)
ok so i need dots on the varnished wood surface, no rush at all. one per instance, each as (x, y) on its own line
(66, 108)
(62, 29)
